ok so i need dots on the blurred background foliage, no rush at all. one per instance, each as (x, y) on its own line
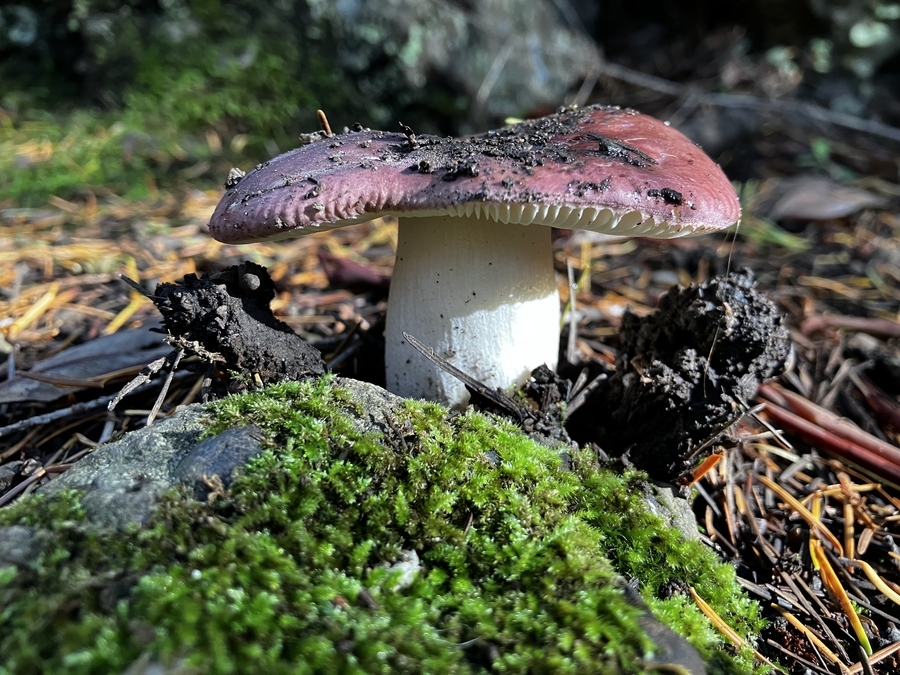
(129, 97)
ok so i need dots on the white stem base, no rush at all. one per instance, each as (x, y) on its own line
(481, 293)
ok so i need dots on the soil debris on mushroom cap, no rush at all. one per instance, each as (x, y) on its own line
(595, 158)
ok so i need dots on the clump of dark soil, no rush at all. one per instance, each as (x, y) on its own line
(225, 319)
(684, 374)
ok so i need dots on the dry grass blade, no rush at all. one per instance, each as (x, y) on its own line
(34, 312)
(811, 636)
(834, 585)
(878, 582)
(725, 629)
(802, 511)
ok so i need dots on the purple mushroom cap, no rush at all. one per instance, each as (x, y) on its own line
(572, 166)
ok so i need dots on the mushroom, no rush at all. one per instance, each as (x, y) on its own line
(471, 280)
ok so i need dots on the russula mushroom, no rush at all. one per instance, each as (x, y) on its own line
(474, 278)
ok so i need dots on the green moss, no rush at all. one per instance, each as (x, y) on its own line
(70, 154)
(166, 77)
(44, 156)
(291, 572)
(193, 63)
(119, 96)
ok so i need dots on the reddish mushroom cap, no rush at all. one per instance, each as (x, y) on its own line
(605, 169)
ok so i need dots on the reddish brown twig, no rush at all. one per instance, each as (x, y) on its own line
(877, 326)
(883, 408)
(831, 434)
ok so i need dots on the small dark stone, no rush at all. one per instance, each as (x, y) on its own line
(234, 177)
(249, 282)
(668, 195)
(217, 456)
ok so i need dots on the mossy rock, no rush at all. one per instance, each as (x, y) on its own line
(368, 534)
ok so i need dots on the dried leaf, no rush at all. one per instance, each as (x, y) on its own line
(816, 198)
(93, 360)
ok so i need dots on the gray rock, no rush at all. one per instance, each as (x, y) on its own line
(676, 512)
(375, 409)
(122, 480)
(505, 57)
(218, 456)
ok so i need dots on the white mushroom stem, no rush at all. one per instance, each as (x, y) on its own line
(481, 293)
